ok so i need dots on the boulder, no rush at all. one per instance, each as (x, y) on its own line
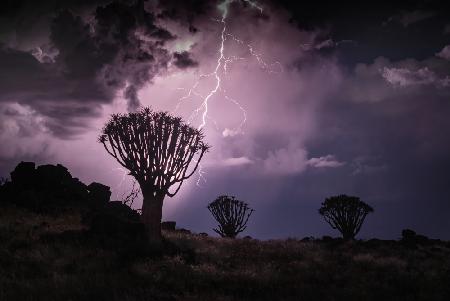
(183, 231)
(77, 190)
(411, 238)
(23, 175)
(52, 177)
(111, 231)
(168, 225)
(120, 210)
(327, 238)
(99, 194)
(408, 234)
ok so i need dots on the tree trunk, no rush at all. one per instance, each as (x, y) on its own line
(348, 235)
(152, 213)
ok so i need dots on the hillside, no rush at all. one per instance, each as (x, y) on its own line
(54, 256)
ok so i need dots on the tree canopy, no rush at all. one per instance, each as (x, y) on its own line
(232, 215)
(345, 213)
(155, 147)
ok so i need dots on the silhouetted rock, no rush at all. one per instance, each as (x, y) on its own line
(110, 230)
(327, 238)
(408, 234)
(50, 188)
(116, 224)
(99, 193)
(77, 190)
(24, 174)
(168, 225)
(6, 192)
(120, 210)
(411, 239)
(52, 177)
(182, 230)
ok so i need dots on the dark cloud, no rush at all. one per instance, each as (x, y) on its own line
(124, 43)
(186, 12)
(86, 59)
(183, 60)
(41, 86)
(411, 17)
(360, 105)
(383, 31)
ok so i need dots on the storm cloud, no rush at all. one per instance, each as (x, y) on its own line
(82, 60)
(310, 105)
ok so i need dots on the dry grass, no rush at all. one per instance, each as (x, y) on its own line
(45, 257)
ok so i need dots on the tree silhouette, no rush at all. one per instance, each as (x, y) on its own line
(231, 214)
(345, 213)
(157, 149)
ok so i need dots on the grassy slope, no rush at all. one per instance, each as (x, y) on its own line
(48, 258)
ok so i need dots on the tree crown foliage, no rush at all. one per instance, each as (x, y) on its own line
(345, 213)
(232, 215)
(155, 147)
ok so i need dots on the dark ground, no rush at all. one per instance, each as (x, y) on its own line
(54, 256)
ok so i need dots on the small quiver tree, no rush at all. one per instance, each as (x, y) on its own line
(345, 213)
(231, 214)
(157, 149)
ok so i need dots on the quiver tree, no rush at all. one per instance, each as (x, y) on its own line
(231, 214)
(157, 149)
(345, 213)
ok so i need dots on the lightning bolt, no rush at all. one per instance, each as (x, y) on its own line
(238, 129)
(268, 67)
(254, 5)
(117, 188)
(220, 70)
(219, 63)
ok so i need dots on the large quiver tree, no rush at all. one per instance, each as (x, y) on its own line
(157, 149)
(345, 213)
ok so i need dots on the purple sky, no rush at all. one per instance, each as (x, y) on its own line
(315, 100)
